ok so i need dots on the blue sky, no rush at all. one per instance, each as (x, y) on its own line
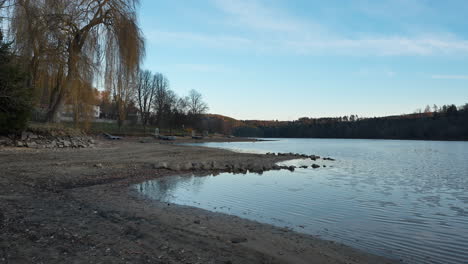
(285, 59)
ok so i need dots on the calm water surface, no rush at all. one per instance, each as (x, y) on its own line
(402, 199)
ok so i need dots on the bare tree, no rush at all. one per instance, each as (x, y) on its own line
(161, 96)
(195, 102)
(427, 109)
(146, 90)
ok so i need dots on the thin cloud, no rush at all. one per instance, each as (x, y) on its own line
(307, 37)
(254, 15)
(189, 38)
(273, 31)
(450, 77)
(203, 68)
(390, 46)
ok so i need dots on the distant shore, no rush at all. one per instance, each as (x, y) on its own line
(76, 205)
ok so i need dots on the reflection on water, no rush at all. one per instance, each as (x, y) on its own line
(403, 199)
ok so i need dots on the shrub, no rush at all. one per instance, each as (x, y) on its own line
(15, 96)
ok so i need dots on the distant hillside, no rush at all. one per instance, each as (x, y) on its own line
(447, 123)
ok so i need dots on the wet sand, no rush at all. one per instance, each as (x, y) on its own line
(75, 206)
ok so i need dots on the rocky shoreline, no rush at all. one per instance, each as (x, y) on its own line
(29, 139)
(238, 167)
(74, 206)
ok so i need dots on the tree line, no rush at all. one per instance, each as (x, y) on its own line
(159, 105)
(445, 123)
(61, 50)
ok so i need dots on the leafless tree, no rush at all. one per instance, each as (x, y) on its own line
(195, 102)
(145, 91)
(162, 97)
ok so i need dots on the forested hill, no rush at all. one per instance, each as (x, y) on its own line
(447, 123)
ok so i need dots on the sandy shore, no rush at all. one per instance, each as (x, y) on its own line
(75, 206)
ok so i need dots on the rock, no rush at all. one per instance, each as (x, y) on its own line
(160, 165)
(330, 159)
(31, 144)
(4, 141)
(196, 222)
(315, 166)
(256, 168)
(313, 157)
(186, 166)
(205, 165)
(218, 166)
(276, 167)
(32, 136)
(24, 135)
(19, 144)
(98, 165)
(174, 167)
(237, 240)
(196, 166)
(304, 167)
(291, 168)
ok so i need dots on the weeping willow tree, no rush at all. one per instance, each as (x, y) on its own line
(65, 44)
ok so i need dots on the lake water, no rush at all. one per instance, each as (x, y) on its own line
(406, 200)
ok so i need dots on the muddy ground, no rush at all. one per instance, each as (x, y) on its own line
(75, 206)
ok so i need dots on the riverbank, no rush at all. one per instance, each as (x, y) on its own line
(75, 205)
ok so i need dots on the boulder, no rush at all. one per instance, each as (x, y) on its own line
(196, 166)
(218, 166)
(267, 167)
(31, 144)
(186, 166)
(256, 168)
(160, 165)
(24, 135)
(313, 157)
(174, 167)
(315, 166)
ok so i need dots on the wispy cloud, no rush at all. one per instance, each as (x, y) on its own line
(203, 68)
(255, 15)
(450, 77)
(383, 46)
(309, 37)
(267, 29)
(189, 38)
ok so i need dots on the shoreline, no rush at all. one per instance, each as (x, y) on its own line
(77, 206)
(394, 139)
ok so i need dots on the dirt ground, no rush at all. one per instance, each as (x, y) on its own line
(76, 206)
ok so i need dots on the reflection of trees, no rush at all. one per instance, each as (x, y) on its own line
(164, 189)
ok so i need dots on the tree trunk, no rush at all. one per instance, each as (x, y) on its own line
(55, 107)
